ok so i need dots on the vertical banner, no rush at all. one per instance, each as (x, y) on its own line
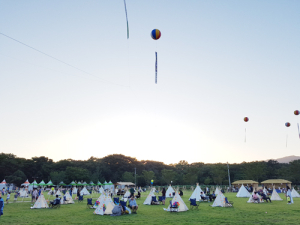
(156, 67)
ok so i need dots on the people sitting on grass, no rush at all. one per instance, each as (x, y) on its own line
(54, 202)
(203, 197)
(133, 205)
(138, 195)
(255, 197)
(180, 193)
(264, 197)
(212, 196)
(117, 210)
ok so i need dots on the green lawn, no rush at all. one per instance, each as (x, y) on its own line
(278, 212)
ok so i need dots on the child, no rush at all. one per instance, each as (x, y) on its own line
(288, 199)
(16, 197)
(7, 197)
(1, 205)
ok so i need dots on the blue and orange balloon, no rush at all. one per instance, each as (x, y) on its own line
(155, 34)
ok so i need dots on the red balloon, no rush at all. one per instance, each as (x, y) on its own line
(246, 119)
(296, 112)
(287, 124)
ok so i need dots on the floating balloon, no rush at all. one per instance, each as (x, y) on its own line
(155, 34)
(246, 119)
(287, 124)
(296, 112)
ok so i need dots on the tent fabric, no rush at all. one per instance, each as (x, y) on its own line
(40, 203)
(170, 191)
(243, 193)
(100, 199)
(217, 191)
(84, 191)
(196, 193)
(295, 194)
(101, 190)
(58, 193)
(245, 182)
(149, 198)
(219, 201)
(182, 206)
(3, 182)
(26, 183)
(105, 207)
(275, 196)
(74, 191)
(276, 181)
(251, 198)
(127, 194)
(23, 193)
(265, 191)
(69, 199)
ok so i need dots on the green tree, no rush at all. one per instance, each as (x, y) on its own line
(58, 176)
(148, 176)
(207, 181)
(76, 173)
(128, 177)
(16, 178)
(168, 176)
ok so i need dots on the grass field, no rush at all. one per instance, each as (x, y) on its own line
(277, 212)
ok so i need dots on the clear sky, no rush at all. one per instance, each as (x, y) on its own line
(218, 61)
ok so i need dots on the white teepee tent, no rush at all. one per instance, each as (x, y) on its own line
(105, 207)
(40, 203)
(58, 193)
(219, 201)
(149, 198)
(101, 190)
(170, 191)
(23, 193)
(243, 193)
(251, 198)
(74, 191)
(84, 191)
(265, 191)
(127, 194)
(275, 196)
(295, 194)
(100, 199)
(182, 206)
(68, 198)
(217, 191)
(196, 193)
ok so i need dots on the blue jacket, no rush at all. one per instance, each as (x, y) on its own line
(1, 206)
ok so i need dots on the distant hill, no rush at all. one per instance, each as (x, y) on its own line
(287, 159)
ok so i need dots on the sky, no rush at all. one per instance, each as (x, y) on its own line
(218, 61)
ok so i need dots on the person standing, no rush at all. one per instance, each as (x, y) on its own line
(163, 193)
(1, 204)
(7, 197)
(289, 193)
(34, 195)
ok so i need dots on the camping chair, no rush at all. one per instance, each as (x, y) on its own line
(89, 204)
(80, 198)
(117, 200)
(154, 201)
(123, 204)
(193, 203)
(227, 203)
(55, 204)
(173, 208)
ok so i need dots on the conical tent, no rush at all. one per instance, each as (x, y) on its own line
(99, 200)
(217, 191)
(181, 205)
(3, 182)
(243, 193)
(219, 201)
(84, 191)
(58, 193)
(196, 193)
(34, 184)
(68, 198)
(23, 193)
(40, 203)
(295, 194)
(149, 198)
(251, 198)
(26, 183)
(101, 190)
(84, 183)
(105, 207)
(74, 191)
(79, 183)
(99, 183)
(265, 191)
(92, 183)
(275, 196)
(127, 194)
(42, 183)
(62, 183)
(169, 193)
(50, 183)
(73, 183)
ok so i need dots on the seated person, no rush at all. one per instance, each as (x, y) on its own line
(54, 202)
(203, 197)
(117, 210)
(212, 196)
(264, 197)
(154, 201)
(180, 192)
(132, 204)
(255, 197)
(138, 195)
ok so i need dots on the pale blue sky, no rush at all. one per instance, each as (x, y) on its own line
(218, 61)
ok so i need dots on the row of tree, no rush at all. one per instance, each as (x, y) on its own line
(122, 168)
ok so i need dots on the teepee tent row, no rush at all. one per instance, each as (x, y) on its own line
(243, 193)
(40, 203)
(149, 198)
(170, 191)
(84, 191)
(67, 199)
(219, 201)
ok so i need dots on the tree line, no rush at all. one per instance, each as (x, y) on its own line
(119, 167)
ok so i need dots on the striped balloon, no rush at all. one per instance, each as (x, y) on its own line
(155, 34)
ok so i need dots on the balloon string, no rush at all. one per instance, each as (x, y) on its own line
(298, 130)
(155, 67)
(245, 135)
